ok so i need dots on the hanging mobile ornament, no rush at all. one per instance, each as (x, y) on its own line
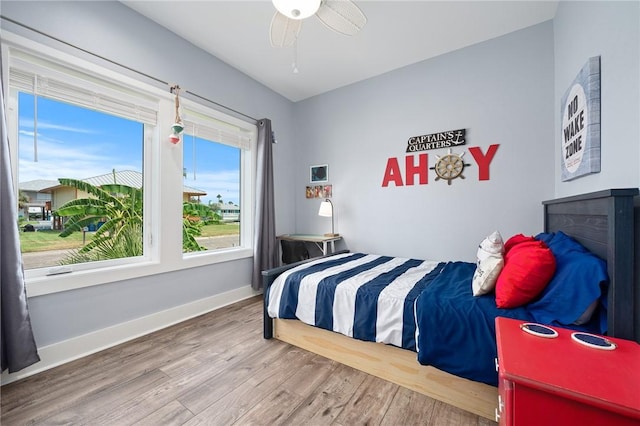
(177, 128)
(174, 138)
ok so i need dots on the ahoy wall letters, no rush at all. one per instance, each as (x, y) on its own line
(447, 167)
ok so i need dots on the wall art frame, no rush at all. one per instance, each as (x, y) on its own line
(580, 132)
(319, 173)
(319, 191)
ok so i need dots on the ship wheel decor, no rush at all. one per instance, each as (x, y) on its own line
(449, 166)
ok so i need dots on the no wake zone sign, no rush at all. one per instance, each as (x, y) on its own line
(580, 149)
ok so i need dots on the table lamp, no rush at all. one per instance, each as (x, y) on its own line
(326, 210)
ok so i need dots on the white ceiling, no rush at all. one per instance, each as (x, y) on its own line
(398, 33)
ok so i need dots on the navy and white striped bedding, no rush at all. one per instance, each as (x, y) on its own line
(420, 305)
(369, 297)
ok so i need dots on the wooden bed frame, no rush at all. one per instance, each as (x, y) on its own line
(602, 221)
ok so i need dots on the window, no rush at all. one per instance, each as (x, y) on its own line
(80, 149)
(106, 134)
(63, 141)
(210, 170)
(212, 160)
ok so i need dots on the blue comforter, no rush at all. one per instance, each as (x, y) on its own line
(456, 330)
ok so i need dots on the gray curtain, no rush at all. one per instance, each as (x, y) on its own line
(18, 346)
(265, 253)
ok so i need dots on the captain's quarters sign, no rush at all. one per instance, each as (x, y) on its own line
(446, 139)
(580, 150)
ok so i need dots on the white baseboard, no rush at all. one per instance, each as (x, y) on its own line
(87, 344)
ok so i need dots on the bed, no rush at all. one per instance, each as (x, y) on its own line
(428, 355)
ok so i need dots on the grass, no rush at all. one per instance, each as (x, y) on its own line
(45, 240)
(49, 240)
(221, 229)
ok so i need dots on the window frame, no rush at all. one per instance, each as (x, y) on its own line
(162, 180)
(247, 163)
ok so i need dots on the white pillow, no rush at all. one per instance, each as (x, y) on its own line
(490, 263)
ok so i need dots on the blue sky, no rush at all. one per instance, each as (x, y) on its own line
(212, 167)
(75, 142)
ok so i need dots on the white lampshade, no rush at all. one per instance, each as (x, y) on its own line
(297, 9)
(326, 209)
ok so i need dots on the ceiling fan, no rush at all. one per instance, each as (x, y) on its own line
(342, 16)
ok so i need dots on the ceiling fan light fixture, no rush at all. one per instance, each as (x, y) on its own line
(297, 9)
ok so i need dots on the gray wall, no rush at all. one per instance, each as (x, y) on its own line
(59, 316)
(611, 30)
(119, 34)
(501, 91)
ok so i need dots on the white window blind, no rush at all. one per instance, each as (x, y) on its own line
(209, 128)
(48, 79)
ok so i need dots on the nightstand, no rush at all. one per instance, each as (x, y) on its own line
(558, 381)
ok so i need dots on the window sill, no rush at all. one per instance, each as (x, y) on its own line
(42, 285)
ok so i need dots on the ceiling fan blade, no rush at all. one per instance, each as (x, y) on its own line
(283, 31)
(342, 16)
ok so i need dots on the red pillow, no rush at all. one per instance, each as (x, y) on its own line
(529, 265)
(515, 240)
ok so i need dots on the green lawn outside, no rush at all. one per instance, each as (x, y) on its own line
(49, 240)
(221, 229)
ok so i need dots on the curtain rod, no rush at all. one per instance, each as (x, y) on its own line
(126, 67)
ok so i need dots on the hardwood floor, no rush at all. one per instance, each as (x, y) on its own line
(218, 370)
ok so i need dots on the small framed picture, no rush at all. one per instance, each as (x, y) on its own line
(319, 174)
(318, 191)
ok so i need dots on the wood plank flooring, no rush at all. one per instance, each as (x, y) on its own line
(216, 369)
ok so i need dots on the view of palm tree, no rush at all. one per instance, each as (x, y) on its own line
(115, 211)
(84, 219)
(117, 208)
